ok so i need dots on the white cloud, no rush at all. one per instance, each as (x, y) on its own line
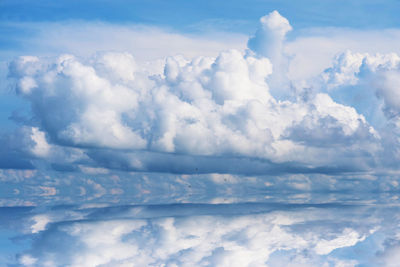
(348, 238)
(243, 238)
(206, 106)
(41, 148)
(40, 223)
(349, 68)
(113, 111)
(370, 84)
(270, 36)
(27, 260)
(269, 42)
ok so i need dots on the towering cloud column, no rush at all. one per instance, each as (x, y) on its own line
(268, 42)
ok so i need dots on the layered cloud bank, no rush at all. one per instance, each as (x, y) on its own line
(235, 113)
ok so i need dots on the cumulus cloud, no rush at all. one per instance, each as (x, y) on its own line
(269, 42)
(369, 83)
(111, 107)
(222, 114)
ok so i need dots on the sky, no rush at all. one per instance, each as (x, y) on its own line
(134, 131)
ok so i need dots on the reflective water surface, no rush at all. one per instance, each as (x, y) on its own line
(217, 220)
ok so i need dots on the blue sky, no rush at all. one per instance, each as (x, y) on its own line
(180, 14)
(196, 16)
(207, 133)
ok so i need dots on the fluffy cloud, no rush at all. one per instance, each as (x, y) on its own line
(124, 115)
(370, 84)
(269, 42)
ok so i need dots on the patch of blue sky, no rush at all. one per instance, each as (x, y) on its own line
(12, 239)
(10, 246)
(180, 13)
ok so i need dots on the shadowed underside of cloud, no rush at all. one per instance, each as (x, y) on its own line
(234, 113)
(192, 164)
